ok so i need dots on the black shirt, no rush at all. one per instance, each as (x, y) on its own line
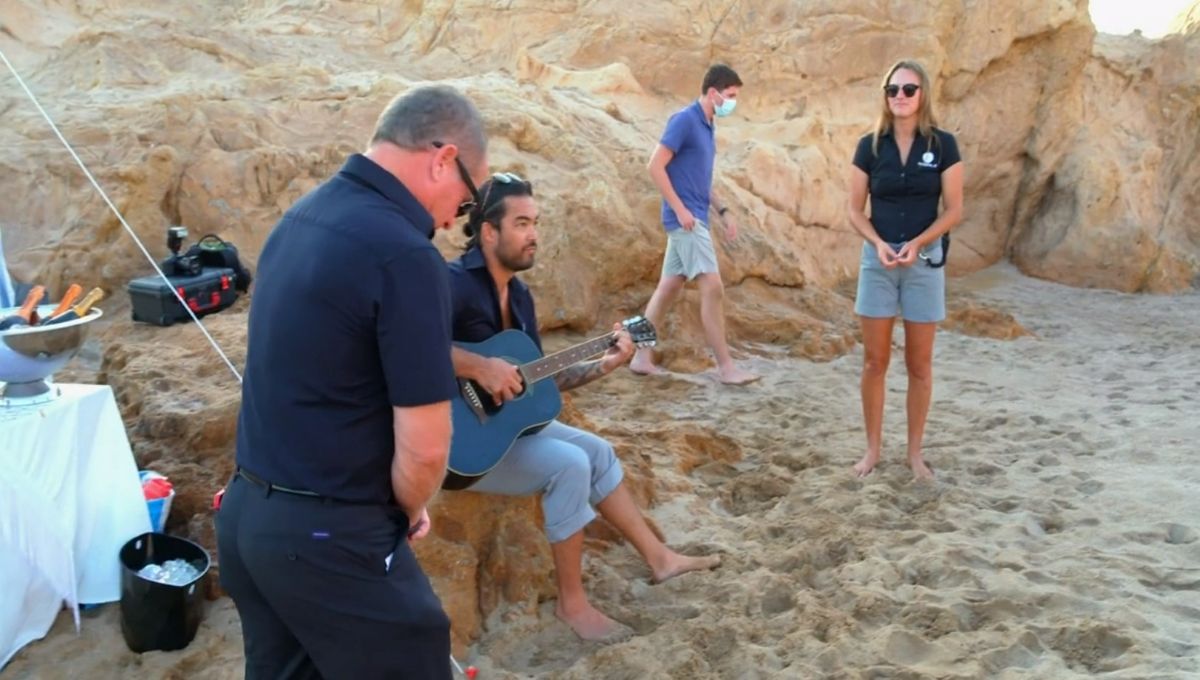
(904, 199)
(350, 317)
(477, 304)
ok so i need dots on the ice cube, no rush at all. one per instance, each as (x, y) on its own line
(151, 572)
(172, 572)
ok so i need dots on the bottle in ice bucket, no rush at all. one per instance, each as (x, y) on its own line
(25, 315)
(78, 311)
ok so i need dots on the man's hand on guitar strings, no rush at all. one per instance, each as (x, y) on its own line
(501, 379)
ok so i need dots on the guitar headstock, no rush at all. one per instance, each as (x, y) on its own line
(641, 331)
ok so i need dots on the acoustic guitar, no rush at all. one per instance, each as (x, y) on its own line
(483, 431)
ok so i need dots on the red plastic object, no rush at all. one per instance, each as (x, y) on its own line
(157, 487)
(472, 672)
(217, 498)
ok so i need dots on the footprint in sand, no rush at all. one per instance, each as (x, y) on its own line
(796, 463)
(905, 649)
(715, 473)
(755, 492)
(1025, 653)
(1178, 534)
(1047, 460)
(778, 599)
(1005, 505)
(716, 643)
(992, 422)
(932, 621)
(986, 470)
(1091, 648)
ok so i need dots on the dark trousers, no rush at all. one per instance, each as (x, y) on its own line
(316, 596)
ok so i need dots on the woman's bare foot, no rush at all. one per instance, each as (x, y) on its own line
(867, 465)
(921, 470)
(676, 564)
(732, 375)
(592, 625)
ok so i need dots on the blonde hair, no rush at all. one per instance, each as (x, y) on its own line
(925, 118)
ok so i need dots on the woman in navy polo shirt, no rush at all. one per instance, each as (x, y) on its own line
(908, 166)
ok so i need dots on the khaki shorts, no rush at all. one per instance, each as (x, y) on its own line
(690, 253)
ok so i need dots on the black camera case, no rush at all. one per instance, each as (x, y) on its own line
(208, 276)
(154, 301)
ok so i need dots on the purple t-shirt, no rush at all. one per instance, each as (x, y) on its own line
(692, 138)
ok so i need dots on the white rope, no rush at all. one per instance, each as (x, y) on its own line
(120, 217)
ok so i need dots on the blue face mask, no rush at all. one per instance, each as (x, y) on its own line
(726, 107)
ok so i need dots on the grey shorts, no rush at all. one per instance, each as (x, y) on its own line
(918, 292)
(690, 253)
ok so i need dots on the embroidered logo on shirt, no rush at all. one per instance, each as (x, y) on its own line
(927, 160)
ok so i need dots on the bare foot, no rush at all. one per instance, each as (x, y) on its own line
(592, 625)
(677, 564)
(736, 376)
(922, 471)
(867, 465)
(643, 364)
(646, 368)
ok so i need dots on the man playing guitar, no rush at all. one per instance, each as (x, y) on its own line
(574, 470)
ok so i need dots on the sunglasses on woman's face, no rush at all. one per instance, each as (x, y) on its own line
(466, 206)
(909, 89)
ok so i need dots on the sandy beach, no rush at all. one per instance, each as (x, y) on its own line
(1059, 540)
(1061, 536)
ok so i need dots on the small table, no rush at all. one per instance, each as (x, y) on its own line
(69, 500)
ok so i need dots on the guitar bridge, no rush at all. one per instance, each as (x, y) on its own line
(474, 402)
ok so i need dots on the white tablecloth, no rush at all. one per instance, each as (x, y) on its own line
(69, 499)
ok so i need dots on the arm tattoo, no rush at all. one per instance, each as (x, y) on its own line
(577, 376)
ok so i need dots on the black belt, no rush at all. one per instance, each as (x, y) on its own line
(275, 488)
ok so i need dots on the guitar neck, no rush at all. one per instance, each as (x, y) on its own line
(559, 361)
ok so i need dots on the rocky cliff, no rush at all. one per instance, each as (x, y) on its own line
(1081, 165)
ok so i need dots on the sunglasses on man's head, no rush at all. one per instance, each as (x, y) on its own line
(504, 178)
(910, 90)
(466, 206)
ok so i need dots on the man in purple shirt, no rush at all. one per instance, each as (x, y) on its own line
(682, 169)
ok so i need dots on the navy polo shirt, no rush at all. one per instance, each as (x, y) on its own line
(692, 138)
(904, 198)
(476, 302)
(350, 317)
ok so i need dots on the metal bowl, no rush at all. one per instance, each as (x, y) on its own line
(30, 354)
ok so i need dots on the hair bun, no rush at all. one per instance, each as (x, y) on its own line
(474, 221)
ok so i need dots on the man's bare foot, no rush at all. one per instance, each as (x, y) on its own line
(922, 471)
(677, 564)
(592, 625)
(646, 368)
(867, 465)
(643, 364)
(732, 375)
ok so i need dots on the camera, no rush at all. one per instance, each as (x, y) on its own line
(176, 264)
(183, 265)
